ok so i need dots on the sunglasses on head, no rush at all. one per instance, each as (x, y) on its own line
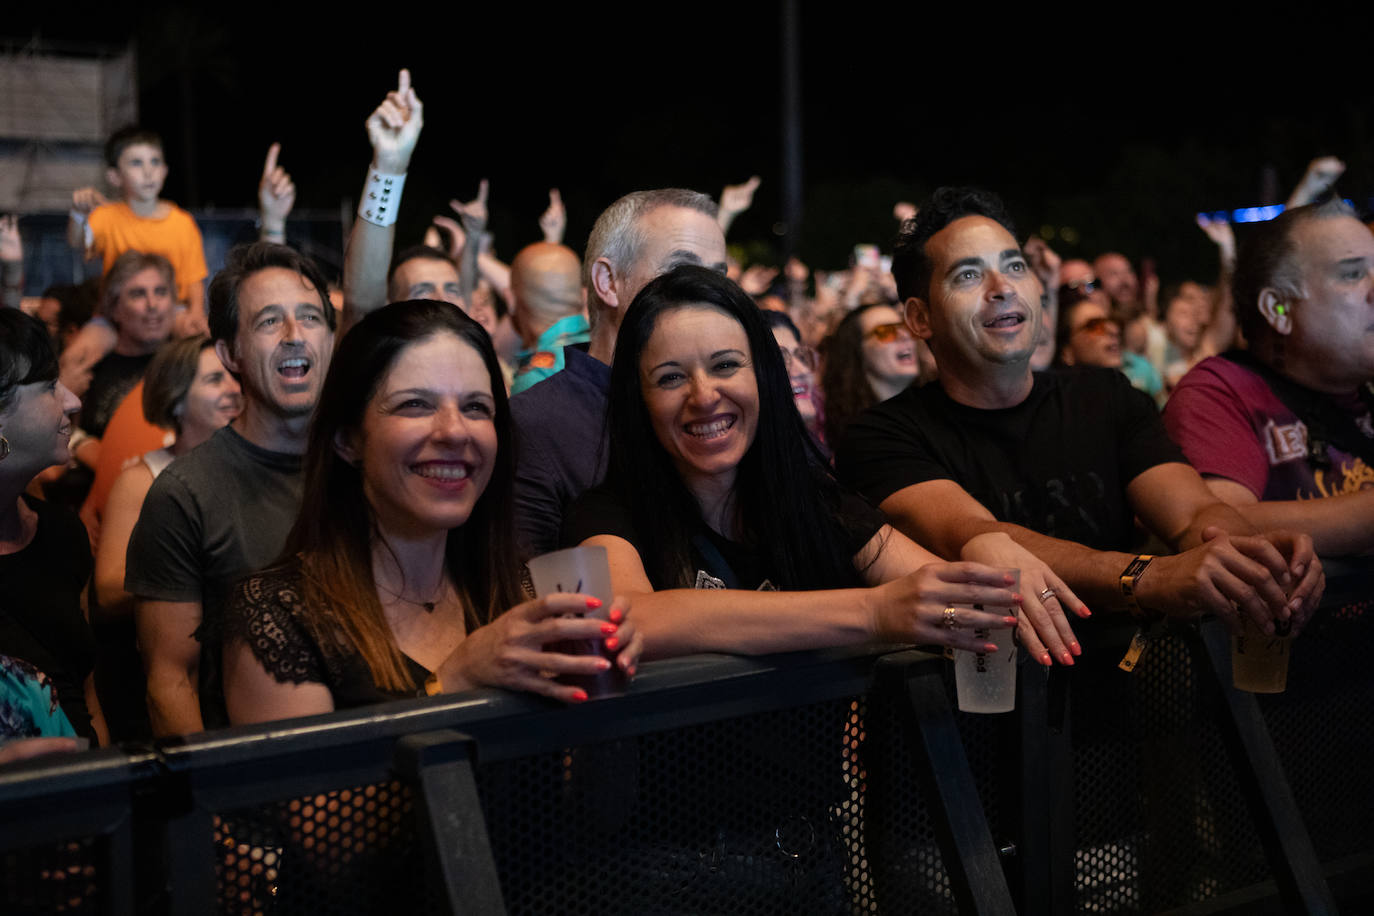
(886, 333)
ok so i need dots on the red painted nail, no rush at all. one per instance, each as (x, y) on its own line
(617, 615)
(1066, 659)
(631, 670)
(593, 603)
(1009, 621)
(609, 628)
(1045, 659)
(1084, 612)
(612, 642)
(1075, 648)
(989, 647)
(603, 663)
(579, 696)
(1009, 578)
(1017, 598)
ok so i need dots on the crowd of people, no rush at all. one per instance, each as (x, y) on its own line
(271, 496)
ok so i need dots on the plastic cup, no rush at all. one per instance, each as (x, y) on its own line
(1259, 662)
(986, 681)
(584, 570)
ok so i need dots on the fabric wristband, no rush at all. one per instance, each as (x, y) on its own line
(381, 198)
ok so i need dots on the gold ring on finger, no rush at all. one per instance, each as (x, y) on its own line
(948, 620)
(1047, 594)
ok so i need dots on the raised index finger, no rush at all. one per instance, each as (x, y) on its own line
(403, 82)
(271, 163)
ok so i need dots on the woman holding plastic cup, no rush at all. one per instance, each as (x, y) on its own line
(721, 518)
(399, 568)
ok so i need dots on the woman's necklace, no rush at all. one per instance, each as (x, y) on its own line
(430, 605)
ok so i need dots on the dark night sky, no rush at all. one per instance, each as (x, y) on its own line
(1123, 138)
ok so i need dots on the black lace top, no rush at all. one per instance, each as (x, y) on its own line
(267, 613)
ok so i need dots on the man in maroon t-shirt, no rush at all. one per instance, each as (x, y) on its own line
(1285, 429)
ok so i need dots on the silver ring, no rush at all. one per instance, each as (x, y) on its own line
(948, 621)
(1047, 594)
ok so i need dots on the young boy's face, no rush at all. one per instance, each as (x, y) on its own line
(140, 173)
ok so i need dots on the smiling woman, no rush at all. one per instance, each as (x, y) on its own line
(399, 570)
(45, 557)
(720, 515)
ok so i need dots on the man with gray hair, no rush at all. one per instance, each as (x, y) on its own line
(559, 422)
(1284, 431)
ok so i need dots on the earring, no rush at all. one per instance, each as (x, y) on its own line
(4, 448)
(1281, 309)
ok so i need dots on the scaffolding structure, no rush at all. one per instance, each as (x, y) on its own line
(58, 104)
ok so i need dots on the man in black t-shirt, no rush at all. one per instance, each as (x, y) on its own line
(223, 510)
(1061, 463)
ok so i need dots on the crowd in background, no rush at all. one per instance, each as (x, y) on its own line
(273, 493)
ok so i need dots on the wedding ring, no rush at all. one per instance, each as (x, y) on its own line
(948, 621)
(1047, 594)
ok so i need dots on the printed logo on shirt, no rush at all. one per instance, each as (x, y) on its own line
(1285, 443)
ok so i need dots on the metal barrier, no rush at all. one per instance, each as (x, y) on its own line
(828, 782)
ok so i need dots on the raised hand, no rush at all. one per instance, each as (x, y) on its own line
(276, 193)
(554, 220)
(457, 238)
(736, 198)
(11, 248)
(394, 127)
(474, 212)
(1043, 261)
(1222, 235)
(757, 278)
(1321, 174)
(84, 200)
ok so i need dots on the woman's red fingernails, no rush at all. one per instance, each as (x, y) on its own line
(1084, 612)
(1009, 578)
(603, 663)
(1009, 621)
(612, 642)
(1075, 648)
(579, 696)
(593, 603)
(989, 647)
(1066, 659)
(617, 615)
(1045, 659)
(631, 670)
(609, 628)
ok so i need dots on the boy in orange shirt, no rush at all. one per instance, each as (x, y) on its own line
(142, 221)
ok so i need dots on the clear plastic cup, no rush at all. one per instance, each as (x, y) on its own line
(986, 681)
(583, 570)
(1259, 662)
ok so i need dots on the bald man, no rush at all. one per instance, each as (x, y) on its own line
(548, 310)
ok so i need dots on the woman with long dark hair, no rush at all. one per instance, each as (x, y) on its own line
(720, 515)
(871, 357)
(397, 576)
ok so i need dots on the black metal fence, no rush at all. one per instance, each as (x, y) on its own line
(835, 782)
